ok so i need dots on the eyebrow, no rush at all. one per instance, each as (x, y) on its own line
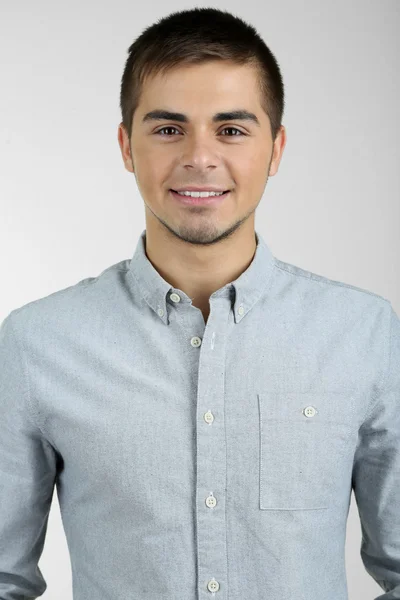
(232, 115)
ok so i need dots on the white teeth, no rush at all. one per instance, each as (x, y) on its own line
(200, 194)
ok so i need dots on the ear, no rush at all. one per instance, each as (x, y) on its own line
(125, 147)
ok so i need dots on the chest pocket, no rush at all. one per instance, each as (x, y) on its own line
(306, 449)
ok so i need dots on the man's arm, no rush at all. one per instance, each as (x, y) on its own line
(27, 476)
(376, 473)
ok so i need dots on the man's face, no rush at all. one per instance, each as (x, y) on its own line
(236, 155)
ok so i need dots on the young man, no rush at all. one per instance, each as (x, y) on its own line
(204, 409)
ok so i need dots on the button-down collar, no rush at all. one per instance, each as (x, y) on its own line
(244, 291)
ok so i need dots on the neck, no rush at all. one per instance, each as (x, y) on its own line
(197, 269)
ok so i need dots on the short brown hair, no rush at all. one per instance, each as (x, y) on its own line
(197, 36)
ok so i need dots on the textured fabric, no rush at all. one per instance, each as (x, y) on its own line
(192, 460)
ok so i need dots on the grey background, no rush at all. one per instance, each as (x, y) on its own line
(69, 209)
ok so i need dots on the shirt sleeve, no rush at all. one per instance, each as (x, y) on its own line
(27, 476)
(376, 473)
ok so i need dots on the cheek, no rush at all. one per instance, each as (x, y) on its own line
(250, 170)
(150, 168)
(251, 174)
(259, 164)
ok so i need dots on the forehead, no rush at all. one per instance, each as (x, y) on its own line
(224, 69)
(218, 84)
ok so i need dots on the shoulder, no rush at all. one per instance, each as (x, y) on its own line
(72, 305)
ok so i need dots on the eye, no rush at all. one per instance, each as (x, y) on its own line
(163, 129)
(233, 129)
(170, 135)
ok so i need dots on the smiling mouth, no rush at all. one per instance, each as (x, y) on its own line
(199, 200)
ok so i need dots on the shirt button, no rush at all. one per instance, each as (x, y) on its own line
(213, 585)
(160, 312)
(309, 411)
(211, 501)
(195, 341)
(240, 310)
(175, 298)
(209, 417)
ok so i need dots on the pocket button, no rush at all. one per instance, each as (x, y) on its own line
(309, 411)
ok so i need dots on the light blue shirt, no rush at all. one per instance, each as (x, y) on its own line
(194, 460)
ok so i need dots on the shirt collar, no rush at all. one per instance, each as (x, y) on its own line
(244, 292)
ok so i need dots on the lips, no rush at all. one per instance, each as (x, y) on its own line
(177, 192)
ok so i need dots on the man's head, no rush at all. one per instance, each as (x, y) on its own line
(196, 65)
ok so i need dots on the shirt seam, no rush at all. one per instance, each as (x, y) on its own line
(32, 414)
(385, 371)
(322, 279)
